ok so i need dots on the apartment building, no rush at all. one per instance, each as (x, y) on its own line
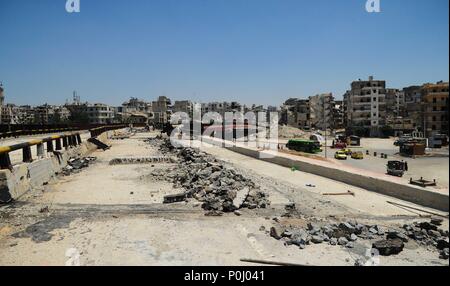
(395, 103)
(99, 113)
(134, 111)
(296, 113)
(338, 114)
(316, 112)
(185, 106)
(162, 108)
(365, 106)
(137, 105)
(321, 111)
(435, 108)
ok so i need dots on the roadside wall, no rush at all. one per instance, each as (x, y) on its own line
(25, 176)
(403, 191)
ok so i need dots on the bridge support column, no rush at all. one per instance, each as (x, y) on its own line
(65, 143)
(40, 150)
(5, 162)
(50, 146)
(58, 144)
(26, 155)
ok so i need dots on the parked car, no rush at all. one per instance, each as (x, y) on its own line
(358, 155)
(339, 145)
(340, 155)
(347, 151)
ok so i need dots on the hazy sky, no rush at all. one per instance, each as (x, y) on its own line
(252, 51)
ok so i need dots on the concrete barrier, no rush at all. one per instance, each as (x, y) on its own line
(25, 176)
(377, 183)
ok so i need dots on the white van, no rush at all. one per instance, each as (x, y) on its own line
(317, 138)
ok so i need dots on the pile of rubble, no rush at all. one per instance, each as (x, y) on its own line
(288, 132)
(74, 165)
(429, 234)
(204, 178)
(388, 241)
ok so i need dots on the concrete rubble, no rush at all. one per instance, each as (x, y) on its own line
(220, 189)
(143, 160)
(386, 241)
(74, 165)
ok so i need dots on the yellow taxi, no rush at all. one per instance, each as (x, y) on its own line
(347, 151)
(358, 155)
(340, 155)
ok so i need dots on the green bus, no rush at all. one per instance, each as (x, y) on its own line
(306, 146)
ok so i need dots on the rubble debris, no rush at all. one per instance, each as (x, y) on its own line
(144, 160)
(442, 244)
(342, 241)
(276, 232)
(437, 221)
(359, 262)
(74, 165)
(44, 210)
(393, 234)
(288, 132)
(169, 199)
(346, 234)
(207, 180)
(389, 246)
(290, 207)
(444, 254)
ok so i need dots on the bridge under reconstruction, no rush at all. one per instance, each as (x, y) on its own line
(125, 196)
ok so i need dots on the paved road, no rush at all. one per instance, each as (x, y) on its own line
(427, 167)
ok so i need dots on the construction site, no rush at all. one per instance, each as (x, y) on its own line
(129, 196)
(224, 141)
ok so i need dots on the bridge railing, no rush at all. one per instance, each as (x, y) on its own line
(64, 141)
(99, 130)
(18, 133)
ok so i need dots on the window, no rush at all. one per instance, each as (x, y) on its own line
(434, 100)
(374, 99)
